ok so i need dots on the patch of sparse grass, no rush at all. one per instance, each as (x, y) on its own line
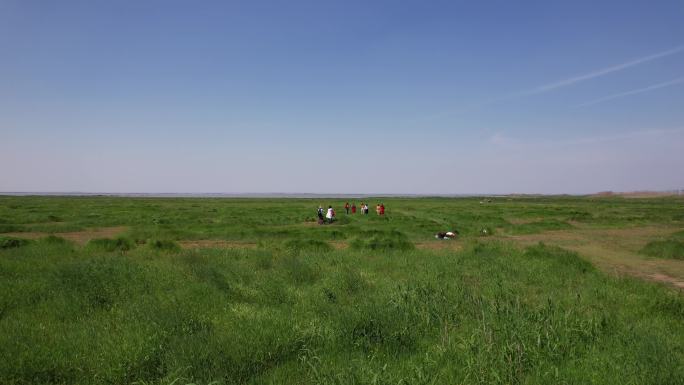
(669, 249)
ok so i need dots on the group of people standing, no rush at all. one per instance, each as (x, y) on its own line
(379, 209)
(329, 215)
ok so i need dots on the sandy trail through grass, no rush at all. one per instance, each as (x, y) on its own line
(78, 237)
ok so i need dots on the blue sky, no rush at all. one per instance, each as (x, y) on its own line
(341, 97)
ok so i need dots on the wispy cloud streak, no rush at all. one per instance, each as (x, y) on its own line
(633, 92)
(602, 72)
(560, 84)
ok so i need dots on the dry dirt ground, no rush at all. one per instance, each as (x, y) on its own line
(78, 237)
(614, 250)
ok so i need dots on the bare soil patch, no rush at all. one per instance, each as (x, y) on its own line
(78, 237)
(339, 245)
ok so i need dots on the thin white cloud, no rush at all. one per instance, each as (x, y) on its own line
(552, 86)
(604, 71)
(633, 92)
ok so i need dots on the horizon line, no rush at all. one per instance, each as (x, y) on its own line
(320, 195)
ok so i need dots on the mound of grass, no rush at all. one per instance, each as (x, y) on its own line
(11, 242)
(559, 255)
(381, 243)
(109, 244)
(669, 249)
(381, 240)
(311, 245)
(164, 245)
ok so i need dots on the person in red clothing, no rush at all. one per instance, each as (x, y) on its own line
(346, 207)
(382, 209)
(353, 208)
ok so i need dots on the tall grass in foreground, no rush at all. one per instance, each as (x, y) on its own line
(306, 314)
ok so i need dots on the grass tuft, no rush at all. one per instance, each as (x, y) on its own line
(108, 244)
(163, 245)
(668, 249)
(11, 242)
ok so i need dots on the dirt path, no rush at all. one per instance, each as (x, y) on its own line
(78, 237)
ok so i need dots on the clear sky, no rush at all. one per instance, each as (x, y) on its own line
(341, 96)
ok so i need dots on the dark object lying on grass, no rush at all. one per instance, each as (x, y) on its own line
(446, 235)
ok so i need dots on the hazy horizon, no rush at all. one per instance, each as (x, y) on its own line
(425, 98)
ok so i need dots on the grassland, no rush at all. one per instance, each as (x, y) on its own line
(252, 291)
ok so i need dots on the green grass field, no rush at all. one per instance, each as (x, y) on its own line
(104, 290)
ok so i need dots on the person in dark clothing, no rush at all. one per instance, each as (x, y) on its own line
(346, 208)
(320, 215)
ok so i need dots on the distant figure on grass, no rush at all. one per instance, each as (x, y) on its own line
(377, 209)
(346, 208)
(330, 215)
(320, 215)
(353, 208)
(382, 209)
(446, 235)
(365, 208)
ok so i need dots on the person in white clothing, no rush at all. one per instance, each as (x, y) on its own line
(330, 215)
